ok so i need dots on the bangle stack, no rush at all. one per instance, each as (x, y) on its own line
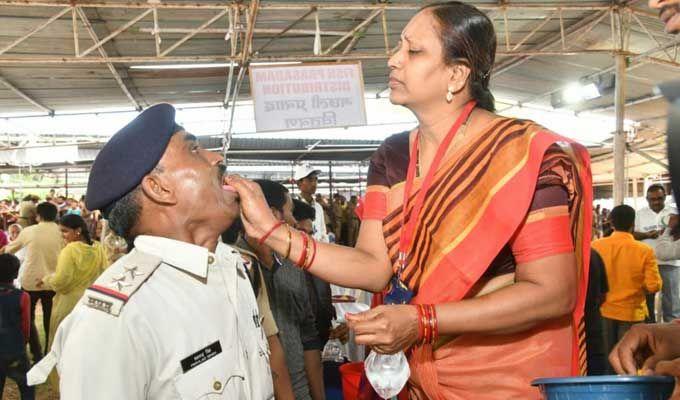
(428, 328)
(308, 254)
(303, 254)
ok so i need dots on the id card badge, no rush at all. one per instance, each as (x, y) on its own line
(399, 293)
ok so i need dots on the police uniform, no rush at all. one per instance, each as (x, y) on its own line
(170, 320)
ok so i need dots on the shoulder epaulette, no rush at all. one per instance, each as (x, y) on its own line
(113, 289)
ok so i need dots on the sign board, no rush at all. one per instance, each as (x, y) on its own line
(307, 96)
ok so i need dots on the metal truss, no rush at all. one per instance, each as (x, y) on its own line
(239, 27)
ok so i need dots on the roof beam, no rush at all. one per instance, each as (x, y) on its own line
(263, 31)
(339, 6)
(356, 29)
(358, 35)
(632, 63)
(106, 60)
(24, 96)
(194, 32)
(35, 30)
(649, 34)
(644, 13)
(287, 58)
(286, 29)
(552, 40)
(533, 31)
(248, 43)
(647, 156)
(251, 18)
(99, 43)
(629, 103)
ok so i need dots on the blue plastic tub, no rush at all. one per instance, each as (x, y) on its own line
(608, 387)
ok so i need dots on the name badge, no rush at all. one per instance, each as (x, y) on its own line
(201, 356)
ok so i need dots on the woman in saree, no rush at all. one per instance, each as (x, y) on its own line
(80, 263)
(480, 223)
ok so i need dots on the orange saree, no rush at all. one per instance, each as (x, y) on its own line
(483, 194)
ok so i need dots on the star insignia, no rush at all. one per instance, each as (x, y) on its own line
(119, 282)
(132, 270)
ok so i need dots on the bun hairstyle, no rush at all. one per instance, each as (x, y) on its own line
(468, 38)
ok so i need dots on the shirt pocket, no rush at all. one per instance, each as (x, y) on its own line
(213, 379)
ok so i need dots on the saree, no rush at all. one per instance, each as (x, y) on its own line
(481, 196)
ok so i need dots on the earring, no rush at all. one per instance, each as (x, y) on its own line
(449, 94)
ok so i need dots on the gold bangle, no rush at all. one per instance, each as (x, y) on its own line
(290, 242)
(305, 266)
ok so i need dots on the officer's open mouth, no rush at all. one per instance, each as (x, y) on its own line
(222, 178)
(227, 187)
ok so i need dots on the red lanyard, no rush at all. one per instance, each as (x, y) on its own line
(407, 229)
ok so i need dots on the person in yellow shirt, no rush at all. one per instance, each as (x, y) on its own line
(80, 263)
(632, 272)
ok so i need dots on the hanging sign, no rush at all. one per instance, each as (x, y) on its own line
(307, 96)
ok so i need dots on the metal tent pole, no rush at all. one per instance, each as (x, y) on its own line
(620, 135)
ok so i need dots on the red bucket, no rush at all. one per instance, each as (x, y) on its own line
(351, 379)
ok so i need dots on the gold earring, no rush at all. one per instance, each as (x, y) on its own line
(449, 94)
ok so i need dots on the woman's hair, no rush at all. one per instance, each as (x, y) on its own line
(73, 221)
(468, 37)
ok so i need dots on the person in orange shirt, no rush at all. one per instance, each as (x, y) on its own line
(632, 272)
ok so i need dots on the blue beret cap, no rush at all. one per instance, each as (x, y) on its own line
(129, 155)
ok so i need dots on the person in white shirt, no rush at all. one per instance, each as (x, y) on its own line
(41, 244)
(176, 318)
(306, 177)
(650, 222)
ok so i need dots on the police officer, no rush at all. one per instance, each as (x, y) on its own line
(176, 318)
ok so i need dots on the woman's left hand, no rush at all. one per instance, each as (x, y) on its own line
(387, 329)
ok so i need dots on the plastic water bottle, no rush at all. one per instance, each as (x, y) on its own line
(388, 373)
(333, 351)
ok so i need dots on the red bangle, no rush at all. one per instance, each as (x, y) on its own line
(266, 235)
(423, 324)
(303, 254)
(430, 323)
(434, 323)
(308, 254)
(426, 325)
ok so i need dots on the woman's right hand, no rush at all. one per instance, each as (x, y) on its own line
(644, 347)
(256, 215)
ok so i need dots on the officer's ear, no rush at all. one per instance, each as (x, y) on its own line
(157, 188)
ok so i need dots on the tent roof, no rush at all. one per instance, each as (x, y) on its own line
(542, 47)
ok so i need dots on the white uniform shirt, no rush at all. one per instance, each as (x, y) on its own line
(319, 221)
(647, 220)
(190, 331)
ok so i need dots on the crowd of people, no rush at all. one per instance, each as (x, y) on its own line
(51, 254)
(474, 236)
(637, 262)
